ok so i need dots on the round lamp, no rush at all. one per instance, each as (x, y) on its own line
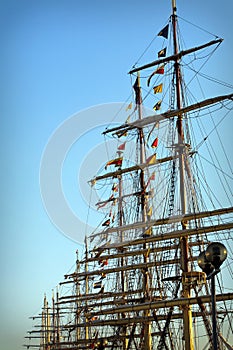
(204, 264)
(216, 253)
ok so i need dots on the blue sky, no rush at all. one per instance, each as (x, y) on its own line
(57, 58)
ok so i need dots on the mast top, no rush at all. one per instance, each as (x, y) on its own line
(174, 6)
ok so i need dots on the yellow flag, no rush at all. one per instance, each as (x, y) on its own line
(158, 88)
(129, 106)
(148, 232)
(151, 159)
(149, 213)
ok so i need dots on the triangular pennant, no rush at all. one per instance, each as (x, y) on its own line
(147, 233)
(151, 159)
(121, 147)
(116, 162)
(129, 106)
(155, 143)
(159, 70)
(164, 32)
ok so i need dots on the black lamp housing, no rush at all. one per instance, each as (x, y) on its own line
(216, 254)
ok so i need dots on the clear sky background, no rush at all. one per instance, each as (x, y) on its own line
(57, 58)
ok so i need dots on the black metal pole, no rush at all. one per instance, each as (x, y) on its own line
(214, 319)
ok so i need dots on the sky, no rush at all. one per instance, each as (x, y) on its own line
(59, 58)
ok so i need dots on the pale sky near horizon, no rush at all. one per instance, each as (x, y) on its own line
(58, 58)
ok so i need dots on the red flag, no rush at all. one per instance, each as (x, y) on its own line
(155, 143)
(121, 147)
(159, 70)
(104, 262)
(116, 162)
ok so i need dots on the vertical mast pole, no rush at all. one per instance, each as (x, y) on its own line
(48, 326)
(122, 261)
(187, 313)
(147, 325)
(43, 327)
(142, 150)
(54, 320)
(57, 320)
(86, 289)
(78, 298)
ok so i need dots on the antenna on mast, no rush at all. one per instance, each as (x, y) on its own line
(174, 6)
(184, 244)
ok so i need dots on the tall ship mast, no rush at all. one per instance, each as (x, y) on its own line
(153, 273)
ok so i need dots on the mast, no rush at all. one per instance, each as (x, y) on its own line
(77, 293)
(122, 260)
(45, 325)
(43, 317)
(147, 326)
(53, 320)
(57, 319)
(149, 292)
(86, 288)
(142, 149)
(187, 313)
